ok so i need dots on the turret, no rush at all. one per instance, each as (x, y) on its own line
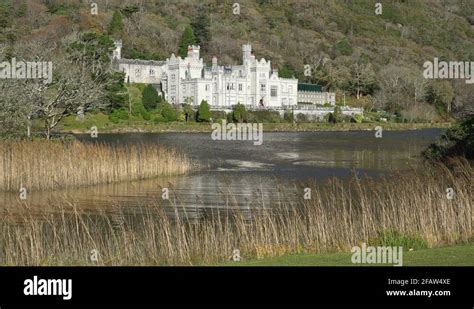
(193, 51)
(246, 52)
(117, 54)
(214, 64)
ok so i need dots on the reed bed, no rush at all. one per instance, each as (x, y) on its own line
(37, 165)
(338, 216)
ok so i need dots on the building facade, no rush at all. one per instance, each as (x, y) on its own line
(314, 95)
(189, 80)
(253, 83)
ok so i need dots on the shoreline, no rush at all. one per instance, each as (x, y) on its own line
(179, 127)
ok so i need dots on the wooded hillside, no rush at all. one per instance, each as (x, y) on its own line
(376, 60)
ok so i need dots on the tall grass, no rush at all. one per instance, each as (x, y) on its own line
(38, 165)
(412, 209)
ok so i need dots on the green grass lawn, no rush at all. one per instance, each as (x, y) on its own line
(459, 255)
(136, 124)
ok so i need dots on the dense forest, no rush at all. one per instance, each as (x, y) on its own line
(370, 60)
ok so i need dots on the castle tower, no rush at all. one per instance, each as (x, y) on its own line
(117, 54)
(214, 64)
(246, 52)
(193, 52)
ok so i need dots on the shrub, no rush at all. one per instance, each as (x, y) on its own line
(239, 113)
(118, 114)
(218, 115)
(150, 97)
(137, 109)
(456, 141)
(168, 112)
(145, 115)
(204, 112)
(358, 118)
(264, 116)
(230, 117)
(330, 118)
(288, 116)
(159, 118)
(300, 117)
(188, 112)
(342, 48)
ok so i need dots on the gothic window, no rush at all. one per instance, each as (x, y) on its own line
(274, 91)
(152, 72)
(137, 72)
(240, 87)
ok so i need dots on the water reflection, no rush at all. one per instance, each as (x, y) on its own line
(240, 173)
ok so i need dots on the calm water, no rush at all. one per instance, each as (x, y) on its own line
(246, 170)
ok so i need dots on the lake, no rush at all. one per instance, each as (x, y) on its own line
(243, 170)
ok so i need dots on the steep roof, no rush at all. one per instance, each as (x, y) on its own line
(139, 61)
(309, 87)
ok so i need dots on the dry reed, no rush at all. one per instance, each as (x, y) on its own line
(37, 165)
(338, 216)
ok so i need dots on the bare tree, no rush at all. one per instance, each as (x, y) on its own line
(363, 78)
(70, 90)
(13, 109)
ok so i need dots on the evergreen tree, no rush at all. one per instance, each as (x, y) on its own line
(149, 97)
(92, 50)
(116, 25)
(337, 115)
(187, 39)
(201, 28)
(117, 94)
(204, 112)
(286, 71)
(240, 113)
